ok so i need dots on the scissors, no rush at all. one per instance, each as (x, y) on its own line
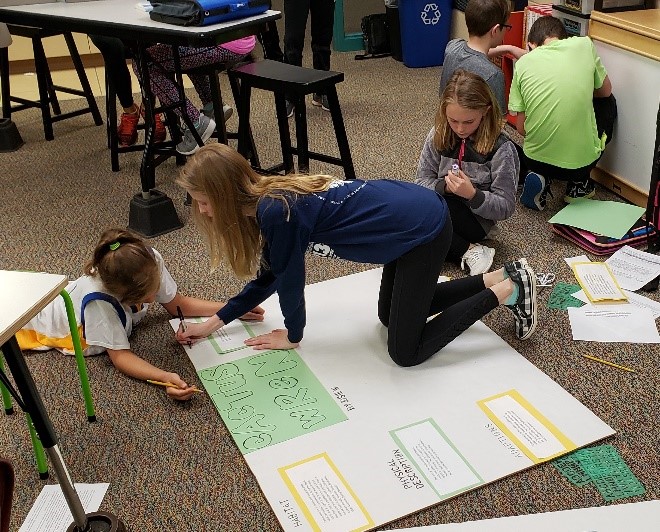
(545, 279)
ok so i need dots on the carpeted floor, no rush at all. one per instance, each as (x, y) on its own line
(174, 466)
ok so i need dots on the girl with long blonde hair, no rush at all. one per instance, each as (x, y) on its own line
(264, 225)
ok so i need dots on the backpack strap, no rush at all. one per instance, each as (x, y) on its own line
(103, 297)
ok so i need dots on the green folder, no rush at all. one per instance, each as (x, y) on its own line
(609, 218)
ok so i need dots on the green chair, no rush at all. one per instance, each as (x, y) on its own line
(40, 455)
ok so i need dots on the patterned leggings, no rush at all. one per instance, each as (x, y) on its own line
(161, 68)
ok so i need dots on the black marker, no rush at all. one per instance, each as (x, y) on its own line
(182, 323)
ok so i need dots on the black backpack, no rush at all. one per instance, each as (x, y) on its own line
(376, 37)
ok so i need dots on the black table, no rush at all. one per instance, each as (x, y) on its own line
(152, 213)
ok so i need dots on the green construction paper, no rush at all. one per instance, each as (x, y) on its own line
(608, 218)
(269, 398)
(572, 470)
(561, 298)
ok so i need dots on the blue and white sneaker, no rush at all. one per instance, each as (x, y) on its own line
(534, 192)
(525, 309)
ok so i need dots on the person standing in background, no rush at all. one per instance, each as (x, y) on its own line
(322, 23)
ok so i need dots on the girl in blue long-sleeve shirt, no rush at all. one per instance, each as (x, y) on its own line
(264, 225)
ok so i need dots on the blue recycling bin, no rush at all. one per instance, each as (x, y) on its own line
(425, 26)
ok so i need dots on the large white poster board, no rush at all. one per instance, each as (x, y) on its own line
(340, 438)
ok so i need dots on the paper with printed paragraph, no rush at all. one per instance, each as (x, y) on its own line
(368, 441)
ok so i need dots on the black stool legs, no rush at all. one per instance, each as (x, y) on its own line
(47, 89)
(293, 83)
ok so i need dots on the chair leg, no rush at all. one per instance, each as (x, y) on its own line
(216, 98)
(251, 154)
(39, 453)
(52, 93)
(6, 396)
(340, 133)
(111, 125)
(41, 66)
(5, 91)
(285, 134)
(302, 143)
(80, 359)
(82, 76)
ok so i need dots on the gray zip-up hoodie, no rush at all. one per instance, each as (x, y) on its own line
(494, 176)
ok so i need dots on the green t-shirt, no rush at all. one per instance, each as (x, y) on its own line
(553, 85)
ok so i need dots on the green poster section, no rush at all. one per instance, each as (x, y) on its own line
(269, 398)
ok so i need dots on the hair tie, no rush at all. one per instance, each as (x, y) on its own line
(114, 246)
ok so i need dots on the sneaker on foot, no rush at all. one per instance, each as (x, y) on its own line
(321, 100)
(289, 109)
(478, 258)
(579, 189)
(524, 310)
(127, 129)
(159, 127)
(534, 193)
(205, 127)
(207, 110)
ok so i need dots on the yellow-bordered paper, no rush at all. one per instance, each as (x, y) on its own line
(598, 282)
(324, 496)
(529, 430)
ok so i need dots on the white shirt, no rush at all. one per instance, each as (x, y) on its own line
(103, 328)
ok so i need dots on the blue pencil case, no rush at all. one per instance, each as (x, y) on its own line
(204, 12)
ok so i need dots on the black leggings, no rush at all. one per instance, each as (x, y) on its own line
(295, 20)
(467, 229)
(410, 293)
(114, 54)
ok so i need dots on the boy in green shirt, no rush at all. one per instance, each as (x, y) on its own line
(555, 89)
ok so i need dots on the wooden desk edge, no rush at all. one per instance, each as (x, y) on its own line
(20, 321)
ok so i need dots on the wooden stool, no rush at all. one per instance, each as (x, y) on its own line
(47, 90)
(294, 83)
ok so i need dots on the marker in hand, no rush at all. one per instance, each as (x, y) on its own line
(182, 323)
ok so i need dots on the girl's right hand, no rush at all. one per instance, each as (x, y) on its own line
(183, 392)
(195, 331)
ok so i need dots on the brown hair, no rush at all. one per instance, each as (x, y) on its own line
(545, 27)
(482, 15)
(234, 191)
(126, 266)
(471, 92)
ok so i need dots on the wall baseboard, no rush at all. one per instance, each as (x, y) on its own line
(620, 187)
(24, 66)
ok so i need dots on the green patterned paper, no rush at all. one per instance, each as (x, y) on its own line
(268, 398)
(604, 467)
(610, 474)
(561, 297)
(572, 470)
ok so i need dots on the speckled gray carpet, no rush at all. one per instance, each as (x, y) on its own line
(174, 466)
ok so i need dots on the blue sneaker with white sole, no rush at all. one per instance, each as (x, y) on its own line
(534, 192)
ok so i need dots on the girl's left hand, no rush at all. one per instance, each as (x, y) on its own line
(277, 339)
(460, 185)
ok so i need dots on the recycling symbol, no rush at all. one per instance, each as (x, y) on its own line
(430, 14)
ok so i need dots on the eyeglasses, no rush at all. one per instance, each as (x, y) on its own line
(506, 27)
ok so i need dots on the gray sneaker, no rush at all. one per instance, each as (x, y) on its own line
(321, 100)
(207, 110)
(205, 127)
